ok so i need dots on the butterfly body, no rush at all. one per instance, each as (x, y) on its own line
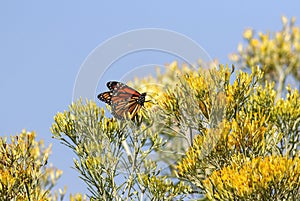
(141, 99)
(124, 100)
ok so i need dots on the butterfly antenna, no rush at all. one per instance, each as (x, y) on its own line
(151, 100)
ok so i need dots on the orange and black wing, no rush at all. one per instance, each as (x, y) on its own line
(123, 99)
(122, 90)
(125, 107)
(113, 85)
(105, 97)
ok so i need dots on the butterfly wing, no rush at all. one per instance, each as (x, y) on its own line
(123, 99)
(111, 85)
(123, 107)
(105, 97)
(119, 87)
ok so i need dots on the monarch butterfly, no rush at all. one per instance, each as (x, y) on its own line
(124, 100)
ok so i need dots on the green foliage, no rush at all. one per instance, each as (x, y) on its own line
(112, 155)
(255, 126)
(208, 134)
(235, 125)
(204, 134)
(260, 127)
(24, 174)
(160, 187)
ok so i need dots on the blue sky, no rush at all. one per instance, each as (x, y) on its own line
(43, 44)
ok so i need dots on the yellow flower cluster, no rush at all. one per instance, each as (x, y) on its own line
(277, 53)
(78, 197)
(246, 135)
(189, 162)
(71, 122)
(156, 87)
(23, 175)
(290, 107)
(163, 188)
(260, 175)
